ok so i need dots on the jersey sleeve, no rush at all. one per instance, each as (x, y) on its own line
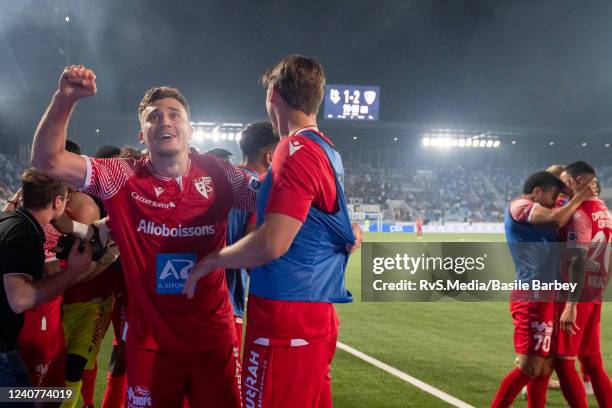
(105, 177)
(579, 231)
(51, 238)
(521, 210)
(301, 177)
(244, 186)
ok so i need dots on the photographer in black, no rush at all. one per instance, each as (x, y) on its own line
(21, 250)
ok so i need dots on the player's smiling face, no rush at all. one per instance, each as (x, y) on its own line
(165, 128)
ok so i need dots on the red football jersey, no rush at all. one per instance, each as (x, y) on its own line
(419, 224)
(163, 226)
(591, 228)
(47, 314)
(302, 178)
(102, 286)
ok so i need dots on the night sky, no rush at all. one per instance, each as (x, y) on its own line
(529, 64)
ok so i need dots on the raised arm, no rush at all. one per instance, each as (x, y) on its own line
(48, 152)
(561, 216)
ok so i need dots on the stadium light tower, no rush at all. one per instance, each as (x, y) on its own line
(198, 135)
(450, 139)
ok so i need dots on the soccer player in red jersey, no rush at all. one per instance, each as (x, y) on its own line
(299, 251)
(419, 227)
(167, 210)
(531, 224)
(589, 239)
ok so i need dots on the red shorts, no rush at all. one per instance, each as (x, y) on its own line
(164, 380)
(119, 314)
(288, 350)
(587, 340)
(43, 349)
(238, 325)
(533, 327)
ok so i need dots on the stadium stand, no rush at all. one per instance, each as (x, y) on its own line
(453, 193)
(10, 170)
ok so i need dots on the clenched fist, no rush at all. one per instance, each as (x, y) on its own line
(77, 82)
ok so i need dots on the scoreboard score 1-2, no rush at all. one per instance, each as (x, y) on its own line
(351, 102)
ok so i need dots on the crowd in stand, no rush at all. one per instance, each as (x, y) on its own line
(10, 170)
(445, 194)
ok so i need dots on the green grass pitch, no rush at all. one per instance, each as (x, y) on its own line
(463, 349)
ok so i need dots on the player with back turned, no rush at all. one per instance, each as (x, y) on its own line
(298, 253)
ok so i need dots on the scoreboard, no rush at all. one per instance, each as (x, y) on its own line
(351, 102)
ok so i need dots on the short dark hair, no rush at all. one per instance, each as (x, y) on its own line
(300, 81)
(39, 190)
(220, 153)
(257, 136)
(129, 152)
(107, 152)
(579, 168)
(72, 147)
(544, 180)
(161, 92)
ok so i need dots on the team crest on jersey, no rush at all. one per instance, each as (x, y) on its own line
(204, 185)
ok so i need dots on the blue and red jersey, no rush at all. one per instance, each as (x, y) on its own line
(305, 182)
(534, 248)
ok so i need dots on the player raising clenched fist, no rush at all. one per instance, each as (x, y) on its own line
(167, 210)
(77, 82)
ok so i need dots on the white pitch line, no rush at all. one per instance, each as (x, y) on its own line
(405, 377)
